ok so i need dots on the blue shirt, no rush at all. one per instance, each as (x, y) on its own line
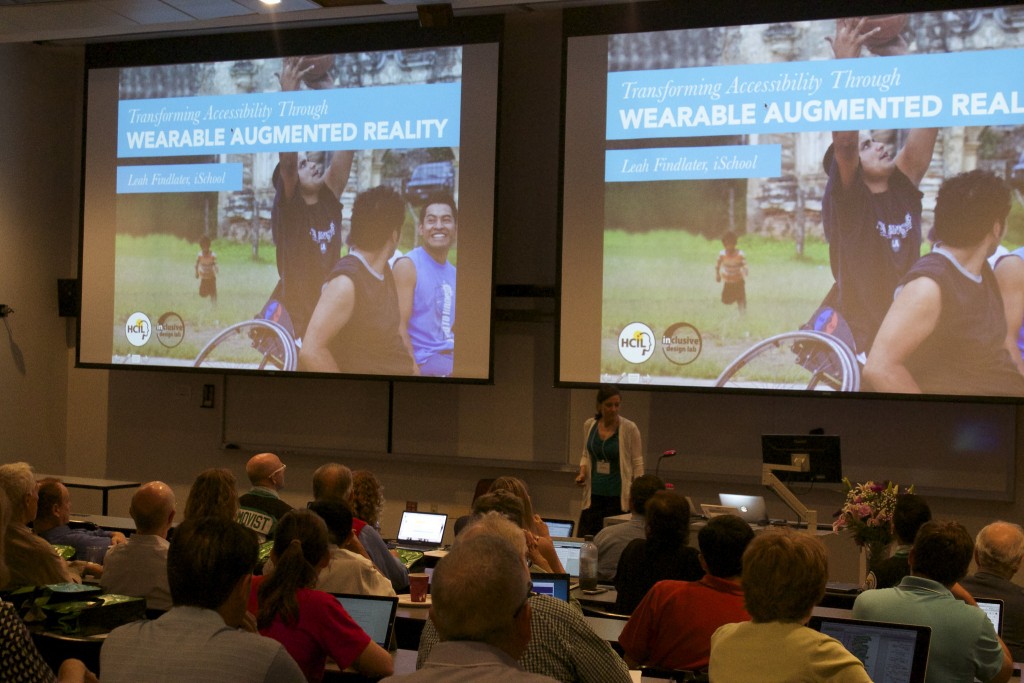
(433, 306)
(80, 539)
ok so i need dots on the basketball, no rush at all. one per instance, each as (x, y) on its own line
(888, 25)
(321, 67)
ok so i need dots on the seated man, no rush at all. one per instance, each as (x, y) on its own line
(350, 569)
(910, 513)
(261, 507)
(945, 332)
(53, 516)
(964, 644)
(672, 626)
(139, 567)
(564, 646)
(998, 552)
(333, 483)
(613, 539)
(784, 577)
(204, 636)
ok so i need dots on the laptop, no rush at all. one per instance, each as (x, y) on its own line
(560, 527)
(892, 653)
(375, 614)
(568, 551)
(993, 609)
(555, 585)
(421, 530)
(752, 509)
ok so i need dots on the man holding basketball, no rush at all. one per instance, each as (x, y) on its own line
(871, 209)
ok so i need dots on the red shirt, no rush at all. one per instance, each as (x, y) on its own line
(323, 629)
(672, 626)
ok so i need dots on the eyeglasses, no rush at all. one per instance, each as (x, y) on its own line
(529, 594)
(282, 468)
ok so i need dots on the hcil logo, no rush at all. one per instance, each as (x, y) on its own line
(636, 342)
(138, 328)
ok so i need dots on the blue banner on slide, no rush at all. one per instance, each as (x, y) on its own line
(423, 115)
(692, 163)
(980, 88)
(179, 178)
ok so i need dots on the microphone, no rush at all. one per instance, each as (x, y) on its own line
(671, 453)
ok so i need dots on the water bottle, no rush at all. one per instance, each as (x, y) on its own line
(588, 564)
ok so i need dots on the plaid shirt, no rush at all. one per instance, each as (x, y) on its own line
(562, 646)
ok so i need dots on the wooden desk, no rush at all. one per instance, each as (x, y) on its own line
(104, 485)
(125, 525)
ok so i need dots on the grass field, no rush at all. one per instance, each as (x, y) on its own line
(156, 274)
(667, 276)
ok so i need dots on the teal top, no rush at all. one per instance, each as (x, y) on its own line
(604, 451)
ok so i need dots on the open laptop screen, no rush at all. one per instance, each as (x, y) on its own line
(375, 614)
(560, 527)
(422, 527)
(555, 585)
(993, 609)
(892, 653)
(568, 551)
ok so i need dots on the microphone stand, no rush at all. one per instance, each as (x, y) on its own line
(667, 454)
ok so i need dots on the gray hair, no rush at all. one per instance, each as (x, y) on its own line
(332, 482)
(17, 481)
(478, 589)
(1000, 546)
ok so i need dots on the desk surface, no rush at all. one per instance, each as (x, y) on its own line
(90, 483)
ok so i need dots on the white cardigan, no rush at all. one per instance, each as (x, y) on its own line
(631, 459)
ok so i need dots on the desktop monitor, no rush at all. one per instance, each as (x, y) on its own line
(819, 451)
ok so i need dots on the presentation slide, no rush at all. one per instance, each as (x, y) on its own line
(742, 204)
(309, 213)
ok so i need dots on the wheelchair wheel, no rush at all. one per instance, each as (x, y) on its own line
(802, 360)
(251, 345)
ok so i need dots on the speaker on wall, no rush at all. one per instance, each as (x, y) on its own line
(67, 298)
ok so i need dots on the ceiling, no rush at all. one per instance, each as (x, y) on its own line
(89, 20)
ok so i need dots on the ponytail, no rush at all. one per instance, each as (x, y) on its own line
(300, 545)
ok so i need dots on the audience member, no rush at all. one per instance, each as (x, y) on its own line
(510, 506)
(19, 659)
(664, 554)
(910, 513)
(350, 569)
(538, 537)
(672, 626)
(333, 483)
(53, 515)
(311, 624)
(563, 645)
(139, 567)
(481, 609)
(31, 561)
(213, 494)
(261, 506)
(964, 644)
(202, 638)
(784, 576)
(998, 551)
(367, 497)
(613, 539)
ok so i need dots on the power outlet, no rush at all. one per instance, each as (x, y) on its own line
(411, 506)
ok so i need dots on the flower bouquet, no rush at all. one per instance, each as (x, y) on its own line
(867, 515)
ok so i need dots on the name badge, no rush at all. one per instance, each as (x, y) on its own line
(604, 467)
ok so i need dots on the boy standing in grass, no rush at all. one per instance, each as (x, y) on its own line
(206, 270)
(732, 270)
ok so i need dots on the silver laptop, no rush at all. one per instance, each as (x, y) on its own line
(751, 509)
(421, 530)
(568, 551)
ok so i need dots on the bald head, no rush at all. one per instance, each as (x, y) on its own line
(265, 469)
(153, 508)
(999, 549)
(333, 483)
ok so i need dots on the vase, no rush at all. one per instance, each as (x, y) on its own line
(871, 553)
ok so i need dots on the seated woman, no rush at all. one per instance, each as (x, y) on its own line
(784, 576)
(311, 625)
(664, 554)
(213, 494)
(31, 560)
(367, 497)
(538, 538)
